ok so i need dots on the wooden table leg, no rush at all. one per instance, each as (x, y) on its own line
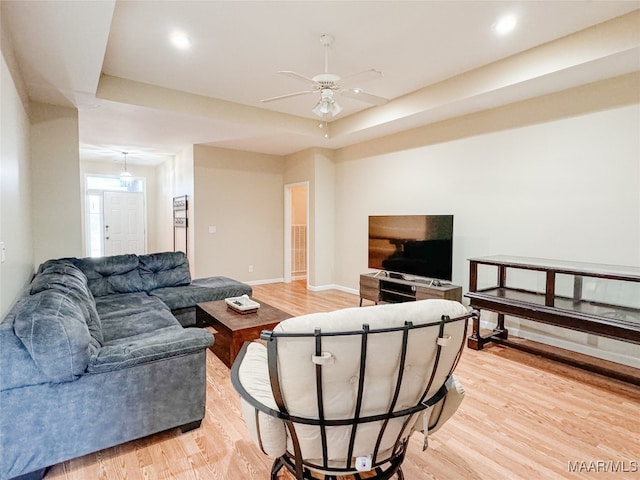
(475, 341)
(500, 330)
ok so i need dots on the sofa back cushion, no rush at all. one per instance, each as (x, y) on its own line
(52, 327)
(113, 274)
(166, 269)
(55, 262)
(67, 278)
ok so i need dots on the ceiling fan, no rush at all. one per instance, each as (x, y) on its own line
(328, 84)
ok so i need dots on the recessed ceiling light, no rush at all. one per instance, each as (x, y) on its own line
(180, 40)
(505, 24)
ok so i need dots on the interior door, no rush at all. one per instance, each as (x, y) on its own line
(124, 224)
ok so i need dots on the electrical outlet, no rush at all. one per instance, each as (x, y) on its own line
(3, 256)
(250, 268)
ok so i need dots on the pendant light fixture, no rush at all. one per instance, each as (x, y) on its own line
(125, 176)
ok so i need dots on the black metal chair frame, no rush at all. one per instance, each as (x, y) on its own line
(383, 469)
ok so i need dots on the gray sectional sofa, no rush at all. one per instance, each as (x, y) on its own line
(101, 351)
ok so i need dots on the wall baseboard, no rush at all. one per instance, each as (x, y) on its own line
(264, 281)
(568, 345)
(321, 288)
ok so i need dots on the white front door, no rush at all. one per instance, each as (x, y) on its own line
(124, 225)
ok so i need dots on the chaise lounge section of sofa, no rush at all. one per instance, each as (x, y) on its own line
(91, 356)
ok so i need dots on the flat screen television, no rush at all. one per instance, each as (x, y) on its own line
(420, 245)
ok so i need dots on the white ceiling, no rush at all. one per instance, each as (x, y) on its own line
(135, 92)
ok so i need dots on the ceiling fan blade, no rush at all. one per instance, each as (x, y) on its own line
(298, 76)
(365, 97)
(288, 95)
(365, 76)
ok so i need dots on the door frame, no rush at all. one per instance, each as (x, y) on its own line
(287, 228)
(86, 214)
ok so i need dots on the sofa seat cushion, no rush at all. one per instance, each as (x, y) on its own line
(166, 269)
(201, 290)
(111, 275)
(52, 327)
(139, 302)
(67, 278)
(150, 346)
(131, 314)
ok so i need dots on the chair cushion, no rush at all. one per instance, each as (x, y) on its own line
(167, 269)
(266, 431)
(341, 374)
(52, 327)
(380, 368)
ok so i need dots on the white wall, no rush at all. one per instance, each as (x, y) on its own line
(15, 193)
(164, 206)
(174, 178)
(183, 184)
(55, 186)
(241, 194)
(324, 207)
(567, 189)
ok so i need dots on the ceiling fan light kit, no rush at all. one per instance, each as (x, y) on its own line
(327, 84)
(327, 104)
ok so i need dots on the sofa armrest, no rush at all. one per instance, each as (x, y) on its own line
(150, 347)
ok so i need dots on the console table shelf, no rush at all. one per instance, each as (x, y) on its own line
(608, 308)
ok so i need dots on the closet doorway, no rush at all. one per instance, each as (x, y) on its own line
(296, 237)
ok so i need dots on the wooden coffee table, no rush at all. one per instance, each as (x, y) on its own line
(233, 328)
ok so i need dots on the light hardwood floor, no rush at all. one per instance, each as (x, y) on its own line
(523, 417)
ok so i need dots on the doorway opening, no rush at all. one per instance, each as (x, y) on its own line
(296, 238)
(115, 216)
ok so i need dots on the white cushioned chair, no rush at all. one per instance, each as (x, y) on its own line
(340, 393)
